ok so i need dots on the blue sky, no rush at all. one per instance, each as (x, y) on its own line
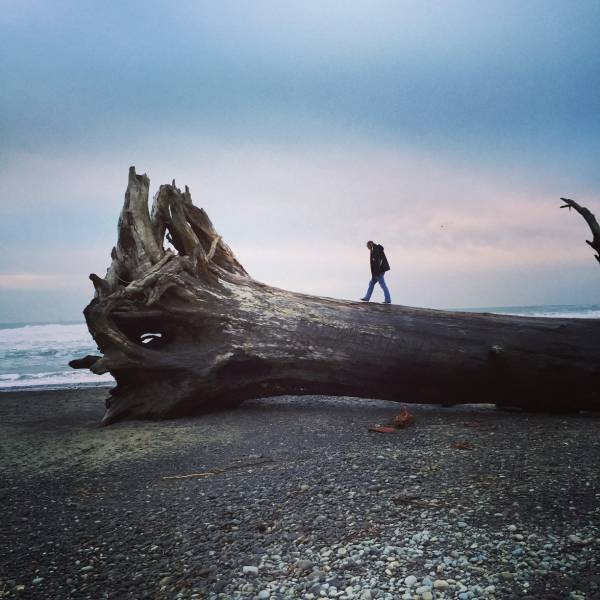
(445, 130)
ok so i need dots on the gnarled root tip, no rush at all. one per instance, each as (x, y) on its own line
(84, 363)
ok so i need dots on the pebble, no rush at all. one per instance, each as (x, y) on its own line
(575, 539)
(305, 565)
(250, 570)
(410, 581)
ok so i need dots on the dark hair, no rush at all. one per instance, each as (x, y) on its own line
(370, 242)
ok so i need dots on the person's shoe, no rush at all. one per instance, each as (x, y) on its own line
(386, 302)
(364, 299)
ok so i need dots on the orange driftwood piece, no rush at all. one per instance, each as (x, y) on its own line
(403, 419)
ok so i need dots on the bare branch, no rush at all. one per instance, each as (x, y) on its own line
(590, 220)
(137, 247)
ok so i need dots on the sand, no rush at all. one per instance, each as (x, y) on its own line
(92, 512)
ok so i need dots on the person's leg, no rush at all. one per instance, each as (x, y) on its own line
(367, 296)
(386, 292)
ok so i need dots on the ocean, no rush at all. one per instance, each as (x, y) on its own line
(36, 355)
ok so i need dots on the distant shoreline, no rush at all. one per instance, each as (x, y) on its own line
(19, 324)
(56, 387)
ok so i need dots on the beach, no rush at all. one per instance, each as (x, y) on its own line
(215, 206)
(296, 498)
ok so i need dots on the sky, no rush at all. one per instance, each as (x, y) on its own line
(446, 131)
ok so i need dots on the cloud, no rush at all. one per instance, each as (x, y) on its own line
(37, 281)
(298, 216)
(446, 131)
(494, 81)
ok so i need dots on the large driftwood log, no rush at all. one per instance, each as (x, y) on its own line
(188, 329)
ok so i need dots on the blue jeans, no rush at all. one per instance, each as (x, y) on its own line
(381, 281)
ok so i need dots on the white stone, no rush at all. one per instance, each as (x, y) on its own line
(410, 581)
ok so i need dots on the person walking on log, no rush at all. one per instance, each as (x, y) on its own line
(379, 265)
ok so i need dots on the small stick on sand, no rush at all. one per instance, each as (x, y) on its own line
(218, 471)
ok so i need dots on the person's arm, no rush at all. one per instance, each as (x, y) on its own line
(379, 259)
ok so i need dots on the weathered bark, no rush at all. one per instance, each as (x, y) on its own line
(190, 330)
(590, 219)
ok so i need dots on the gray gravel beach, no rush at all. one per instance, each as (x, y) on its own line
(295, 498)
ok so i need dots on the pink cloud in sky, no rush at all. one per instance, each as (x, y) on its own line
(299, 216)
(34, 281)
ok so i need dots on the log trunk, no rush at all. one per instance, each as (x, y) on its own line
(187, 330)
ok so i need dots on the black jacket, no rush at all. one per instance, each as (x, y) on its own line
(379, 263)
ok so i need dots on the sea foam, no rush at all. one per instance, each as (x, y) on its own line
(34, 356)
